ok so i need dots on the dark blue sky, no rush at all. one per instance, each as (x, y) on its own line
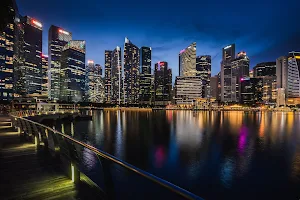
(265, 29)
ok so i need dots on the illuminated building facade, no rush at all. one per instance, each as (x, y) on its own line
(187, 90)
(58, 38)
(95, 86)
(116, 76)
(228, 54)
(146, 78)
(162, 83)
(293, 78)
(251, 91)
(72, 75)
(267, 71)
(239, 69)
(187, 61)
(33, 57)
(131, 73)
(287, 72)
(7, 45)
(203, 70)
(107, 76)
(45, 86)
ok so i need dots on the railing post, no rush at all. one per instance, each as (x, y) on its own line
(108, 181)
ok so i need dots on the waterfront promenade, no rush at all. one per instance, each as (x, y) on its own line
(30, 173)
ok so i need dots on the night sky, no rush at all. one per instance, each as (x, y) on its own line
(265, 29)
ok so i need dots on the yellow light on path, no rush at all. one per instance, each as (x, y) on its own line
(73, 173)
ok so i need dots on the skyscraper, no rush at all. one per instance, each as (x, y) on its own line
(251, 90)
(239, 69)
(287, 72)
(162, 83)
(203, 70)
(95, 85)
(107, 76)
(146, 78)
(214, 87)
(267, 71)
(33, 56)
(131, 72)
(45, 86)
(187, 61)
(293, 80)
(7, 45)
(228, 54)
(57, 40)
(72, 76)
(116, 76)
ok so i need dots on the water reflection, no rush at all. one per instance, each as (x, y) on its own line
(217, 155)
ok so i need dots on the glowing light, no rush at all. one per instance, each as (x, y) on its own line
(227, 47)
(73, 173)
(35, 140)
(182, 51)
(297, 57)
(64, 32)
(90, 62)
(45, 56)
(39, 24)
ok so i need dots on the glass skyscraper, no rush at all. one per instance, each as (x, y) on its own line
(203, 70)
(107, 76)
(162, 83)
(146, 78)
(33, 30)
(57, 40)
(187, 61)
(72, 77)
(116, 76)
(45, 86)
(7, 45)
(95, 85)
(131, 73)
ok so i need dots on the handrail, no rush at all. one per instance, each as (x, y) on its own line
(174, 188)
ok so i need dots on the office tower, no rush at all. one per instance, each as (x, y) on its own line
(265, 69)
(146, 78)
(287, 72)
(214, 87)
(239, 70)
(219, 86)
(45, 86)
(187, 61)
(107, 76)
(251, 91)
(116, 76)
(7, 46)
(131, 73)
(203, 70)
(187, 89)
(33, 56)
(73, 71)
(293, 77)
(162, 83)
(57, 40)
(95, 86)
(228, 54)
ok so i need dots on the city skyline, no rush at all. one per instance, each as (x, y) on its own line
(101, 35)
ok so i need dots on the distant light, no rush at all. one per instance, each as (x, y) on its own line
(64, 32)
(73, 173)
(227, 47)
(45, 56)
(39, 24)
(297, 57)
(90, 62)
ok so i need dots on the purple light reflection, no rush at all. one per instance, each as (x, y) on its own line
(242, 139)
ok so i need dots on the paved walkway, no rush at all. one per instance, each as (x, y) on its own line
(28, 173)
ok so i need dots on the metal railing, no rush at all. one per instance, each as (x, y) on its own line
(63, 146)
